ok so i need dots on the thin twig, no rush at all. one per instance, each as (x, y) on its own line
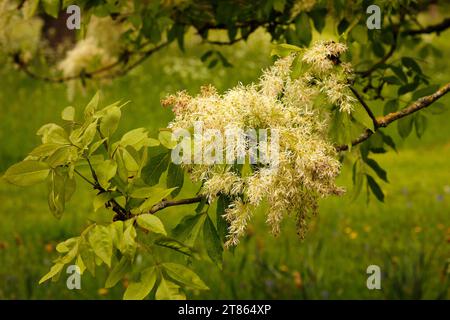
(84, 178)
(365, 106)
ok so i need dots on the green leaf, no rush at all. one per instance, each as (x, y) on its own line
(52, 133)
(29, 8)
(189, 228)
(157, 194)
(155, 167)
(410, 63)
(100, 200)
(175, 178)
(363, 118)
(62, 156)
(27, 173)
(96, 145)
(392, 80)
(116, 231)
(184, 275)
(129, 245)
(376, 189)
(222, 226)
(54, 270)
(381, 173)
(68, 114)
(399, 73)
(138, 138)
(359, 33)
(303, 29)
(45, 150)
(51, 7)
(420, 123)
(357, 178)
(89, 134)
(168, 290)
(101, 242)
(388, 140)
(212, 242)
(66, 245)
(284, 49)
(131, 159)
(165, 137)
(404, 126)
(139, 290)
(92, 105)
(88, 256)
(407, 88)
(437, 108)
(424, 91)
(390, 106)
(60, 190)
(319, 18)
(110, 121)
(151, 223)
(342, 26)
(80, 264)
(206, 55)
(278, 5)
(105, 171)
(118, 272)
(173, 245)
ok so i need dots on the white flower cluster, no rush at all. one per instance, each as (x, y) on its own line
(307, 160)
(19, 33)
(100, 47)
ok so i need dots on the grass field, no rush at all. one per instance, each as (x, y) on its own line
(408, 236)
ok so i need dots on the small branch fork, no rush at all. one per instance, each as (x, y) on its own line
(382, 122)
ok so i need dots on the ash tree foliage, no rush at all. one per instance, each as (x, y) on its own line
(328, 99)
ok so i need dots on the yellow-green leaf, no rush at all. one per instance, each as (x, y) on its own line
(168, 290)
(151, 223)
(27, 173)
(165, 137)
(118, 272)
(184, 275)
(100, 240)
(68, 114)
(139, 290)
(55, 270)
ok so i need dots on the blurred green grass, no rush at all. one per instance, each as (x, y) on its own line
(408, 236)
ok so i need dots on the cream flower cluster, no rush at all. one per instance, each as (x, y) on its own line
(100, 47)
(307, 161)
(19, 33)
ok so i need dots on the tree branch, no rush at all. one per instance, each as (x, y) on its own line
(382, 122)
(366, 107)
(165, 204)
(430, 29)
(96, 74)
(391, 51)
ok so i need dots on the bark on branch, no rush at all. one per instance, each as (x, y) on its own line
(165, 204)
(430, 29)
(382, 122)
